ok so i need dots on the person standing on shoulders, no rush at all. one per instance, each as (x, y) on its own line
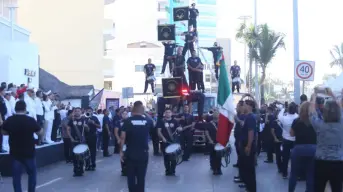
(193, 14)
(20, 129)
(106, 133)
(135, 134)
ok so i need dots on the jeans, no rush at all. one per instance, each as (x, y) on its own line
(99, 140)
(328, 171)
(302, 156)
(287, 145)
(31, 170)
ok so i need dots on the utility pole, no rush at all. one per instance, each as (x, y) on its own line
(256, 64)
(296, 49)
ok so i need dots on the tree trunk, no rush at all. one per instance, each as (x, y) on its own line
(250, 71)
(263, 77)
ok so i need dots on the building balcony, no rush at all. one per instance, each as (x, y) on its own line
(108, 67)
(107, 2)
(109, 30)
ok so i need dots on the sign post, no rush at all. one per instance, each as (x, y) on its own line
(304, 71)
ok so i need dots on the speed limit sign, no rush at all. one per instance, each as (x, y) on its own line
(304, 70)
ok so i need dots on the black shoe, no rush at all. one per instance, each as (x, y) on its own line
(184, 159)
(242, 186)
(87, 169)
(123, 174)
(3, 151)
(78, 175)
(235, 165)
(268, 161)
(93, 168)
(157, 154)
(238, 180)
(279, 171)
(284, 176)
(107, 155)
(236, 177)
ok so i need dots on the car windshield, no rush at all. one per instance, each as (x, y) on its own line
(208, 104)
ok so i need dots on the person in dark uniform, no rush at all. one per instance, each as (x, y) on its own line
(117, 131)
(193, 14)
(3, 112)
(93, 124)
(267, 135)
(169, 49)
(179, 68)
(235, 72)
(166, 129)
(276, 131)
(186, 121)
(216, 51)
(106, 133)
(211, 133)
(56, 124)
(248, 147)
(190, 38)
(135, 134)
(195, 69)
(116, 122)
(149, 72)
(76, 130)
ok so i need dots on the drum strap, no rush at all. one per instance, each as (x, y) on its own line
(79, 133)
(169, 131)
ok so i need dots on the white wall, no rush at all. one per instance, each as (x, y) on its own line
(73, 102)
(15, 58)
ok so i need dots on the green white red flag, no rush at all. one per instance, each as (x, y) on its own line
(225, 104)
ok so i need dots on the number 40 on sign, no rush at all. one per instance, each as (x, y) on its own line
(304, 70)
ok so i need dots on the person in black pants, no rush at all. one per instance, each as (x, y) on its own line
(216, 51)
(117, 131)
(166, 129)
(193, 14)
(76, 129)
(169, 49)
(149, 70)
(135, 134)
(248, 147)
(190, 38)
(116, 122)
(93, 124)
(276, 132)
(268, 139)
(56, 124)
(106, 133)
(179, 68)
(239, 120)
(211, 133)
(186, 121)
(66, 139)
(195, 68)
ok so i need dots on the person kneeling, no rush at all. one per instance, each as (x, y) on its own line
(211, 132)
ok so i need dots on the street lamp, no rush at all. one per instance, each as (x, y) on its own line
(256, 65)
(245, 18)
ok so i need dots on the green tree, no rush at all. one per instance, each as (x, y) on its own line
(247, 35)
(268, 42)
(337, 56)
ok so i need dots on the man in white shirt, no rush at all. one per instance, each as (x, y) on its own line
(29, 98)
(9, 113)
(100, 117)
(12, 99)
(49, 116)
(39, 113)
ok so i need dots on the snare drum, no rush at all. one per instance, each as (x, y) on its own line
(174, 150)
(81, 152)
(151, 78)
(236, 80)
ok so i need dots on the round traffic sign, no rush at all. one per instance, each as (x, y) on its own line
(304, 70)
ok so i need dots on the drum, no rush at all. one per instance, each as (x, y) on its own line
(174, 151)
(151, 78)
(81, 152)
(236, 80)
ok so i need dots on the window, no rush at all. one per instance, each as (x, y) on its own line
(162, 6)
(108, 85)
(207, 78)
(139, 68)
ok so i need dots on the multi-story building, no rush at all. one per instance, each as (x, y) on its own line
(71, 37)
(207, 24)
(19, 58)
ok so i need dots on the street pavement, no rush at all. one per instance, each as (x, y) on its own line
(191, 176)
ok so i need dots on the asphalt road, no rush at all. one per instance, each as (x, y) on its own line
(191, 176)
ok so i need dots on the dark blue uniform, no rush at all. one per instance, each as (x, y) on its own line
(91, 142)
(149, 69)
(215, 53)
(116, 123)
(237, 134)
(137, 130)
(106, 135)
(179, 70)
(215, 159)
(193, 13)
(235, 71)
(247, 161)
(189, 44)
(168, 127)
(195, 78)
(186, 135)
(3, 111)
(119, 125)
(276, 126)
(169, 49)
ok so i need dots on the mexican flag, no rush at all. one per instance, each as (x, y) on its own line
(225, 104)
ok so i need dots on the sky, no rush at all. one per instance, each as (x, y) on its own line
(318, 29)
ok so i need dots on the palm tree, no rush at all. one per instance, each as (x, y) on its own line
(247, 34)
(337, 56)
(268, 43)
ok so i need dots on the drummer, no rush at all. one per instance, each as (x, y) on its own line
(76, 129)
(149, 70)
(211, 132)
(186, 120)
(166, 129)
(117, 130)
